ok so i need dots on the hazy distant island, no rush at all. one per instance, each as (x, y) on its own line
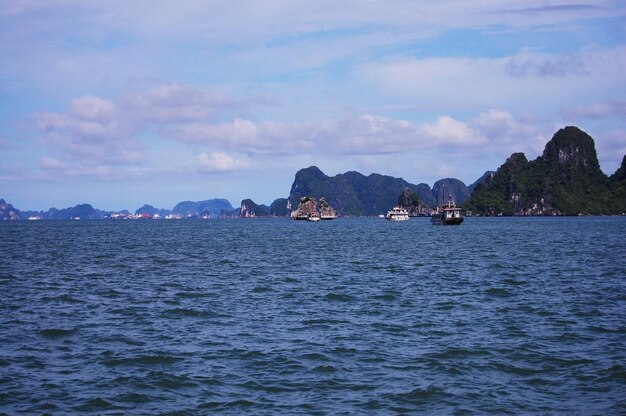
(565, 180)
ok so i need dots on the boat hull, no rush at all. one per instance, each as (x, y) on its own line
(446, 221)
(397, 218)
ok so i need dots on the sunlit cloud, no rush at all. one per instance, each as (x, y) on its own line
(220, 162)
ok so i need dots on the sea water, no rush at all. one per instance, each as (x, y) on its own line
(351, 316)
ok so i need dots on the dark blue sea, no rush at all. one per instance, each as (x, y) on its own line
(352, 316)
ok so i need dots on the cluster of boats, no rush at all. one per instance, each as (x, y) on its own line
(313, 216)
(445, 214)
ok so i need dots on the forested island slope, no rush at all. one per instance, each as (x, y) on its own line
(565, 180)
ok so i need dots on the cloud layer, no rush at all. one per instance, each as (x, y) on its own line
(134, 92)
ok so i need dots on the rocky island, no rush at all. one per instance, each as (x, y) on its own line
(565, 180)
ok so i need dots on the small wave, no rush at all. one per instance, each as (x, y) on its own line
(338, 297)
(217, 405)
(172, 382)
(498, 291)
(57, 332)
(602, 329)
(325, 368)
(240, 403)
(513, 282)
(615, 373)
(459, 353)
(314, 356)
(387, 297)
(135, 398)
(262, 289)
(143, 360)
(323, 322)
(94, 405)
(190, 295)
(415, 396)
(344, 350)
(191, 312)
(269, 388)
(538, 381)
(395, 328)
(518, 370)
(61, 298)
(445, 306)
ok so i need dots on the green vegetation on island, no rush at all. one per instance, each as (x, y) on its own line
(565, 180)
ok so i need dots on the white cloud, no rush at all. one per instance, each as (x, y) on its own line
(220, 162)
(528, 81)
(92, 129)
(448, 131)
(108, 131)
(606, 110)
(52, 164)
(177, 103)
(365, 134)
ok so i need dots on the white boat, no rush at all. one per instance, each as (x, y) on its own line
(313, 217)
(397, 214)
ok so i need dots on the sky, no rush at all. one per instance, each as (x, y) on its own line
(119, 104)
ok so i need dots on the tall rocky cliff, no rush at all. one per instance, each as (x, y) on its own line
(8, 212)
(565, 180)
(249, 209)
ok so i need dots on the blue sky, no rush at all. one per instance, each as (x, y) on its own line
(122, 103)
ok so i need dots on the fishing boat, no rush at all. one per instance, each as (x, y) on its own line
(447, 214)
(397, 214)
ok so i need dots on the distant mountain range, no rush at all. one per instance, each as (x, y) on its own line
(565, 180)
(213, 207)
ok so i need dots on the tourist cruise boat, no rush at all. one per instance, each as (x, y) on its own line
(397, 214)
(313, 216)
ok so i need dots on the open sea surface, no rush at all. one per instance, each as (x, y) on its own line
(352, 316)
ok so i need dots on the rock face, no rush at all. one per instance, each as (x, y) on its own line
(152, 211)
(280, 208)
(565, 180)
(326, 211)
(487, 177)
(8, 212)
(352, 193)
(443, 188)
(413, 204)
(214, 206)
(251, 210)
(306, 206)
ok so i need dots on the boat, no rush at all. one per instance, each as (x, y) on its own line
(397, 213)
(325, 217)
(297, 215)
(313, 216)
(447, 214)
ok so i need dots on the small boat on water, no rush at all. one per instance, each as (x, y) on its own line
(447, 214)
(313, 216)
(325, 217)
(397, 214)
